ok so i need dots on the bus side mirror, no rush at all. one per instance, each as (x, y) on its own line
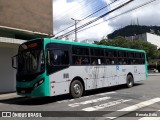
(15, 61)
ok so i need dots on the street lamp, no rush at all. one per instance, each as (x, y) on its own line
(75, 28)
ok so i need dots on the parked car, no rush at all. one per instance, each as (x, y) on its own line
(153, 70)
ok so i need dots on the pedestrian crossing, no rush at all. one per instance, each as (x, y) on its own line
(89, 101)
(106, 105)
(100, 94)
(107, 101)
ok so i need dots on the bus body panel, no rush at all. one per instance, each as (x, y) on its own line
(95, 77)
(41, 90)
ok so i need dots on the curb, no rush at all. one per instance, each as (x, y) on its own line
(156, 74)
(8, 96)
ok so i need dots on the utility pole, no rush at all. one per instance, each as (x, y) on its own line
(75, 28)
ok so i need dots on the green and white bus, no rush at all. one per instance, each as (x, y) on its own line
(50, 67)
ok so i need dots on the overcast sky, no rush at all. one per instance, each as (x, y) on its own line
(64, 10)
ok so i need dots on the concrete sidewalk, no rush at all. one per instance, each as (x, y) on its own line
(8, 96)
(154, 74)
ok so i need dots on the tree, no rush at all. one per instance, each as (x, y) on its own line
(151, 50)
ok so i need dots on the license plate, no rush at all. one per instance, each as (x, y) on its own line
(23, 91)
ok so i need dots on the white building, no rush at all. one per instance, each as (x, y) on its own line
(87, 41)
(152, 38)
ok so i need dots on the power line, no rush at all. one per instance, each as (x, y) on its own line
(94, 20)
(97, 18)
(142, 5)
(76, 11)
(88, 16)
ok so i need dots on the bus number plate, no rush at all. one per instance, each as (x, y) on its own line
(23, 91)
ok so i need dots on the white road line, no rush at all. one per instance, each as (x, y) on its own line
(129, 109)
(64, 101)
(151, 118)
(98, 107)
(107, 93)
(89, 101)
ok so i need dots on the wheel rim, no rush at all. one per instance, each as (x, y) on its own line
(77, 89)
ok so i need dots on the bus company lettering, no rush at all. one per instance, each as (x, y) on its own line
(34, 115)
(15, 114)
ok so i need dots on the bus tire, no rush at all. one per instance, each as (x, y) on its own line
(130, 81)
(76, 89)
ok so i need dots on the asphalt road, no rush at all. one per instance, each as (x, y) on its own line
(119, 102)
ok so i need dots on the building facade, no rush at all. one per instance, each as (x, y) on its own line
(148, 37)
(32, 15)
(20, 21)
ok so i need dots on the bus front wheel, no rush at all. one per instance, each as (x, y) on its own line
(76, 89)
(130, 81)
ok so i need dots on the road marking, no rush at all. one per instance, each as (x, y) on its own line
(98, 107)
(132, 108)
(151, 118)
(106, 93)
(89, 101)
(64, 101)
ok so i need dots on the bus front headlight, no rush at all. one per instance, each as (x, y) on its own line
(38, 83)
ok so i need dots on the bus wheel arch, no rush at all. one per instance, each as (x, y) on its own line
(77, 87)
(129, 80)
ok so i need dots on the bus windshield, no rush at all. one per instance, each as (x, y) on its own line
(30, 61)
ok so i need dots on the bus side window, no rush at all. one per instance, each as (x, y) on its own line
(85, 60)
(58, 57)
(108, 62)
(78, 61)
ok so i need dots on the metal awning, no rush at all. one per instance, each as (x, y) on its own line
(24, 34)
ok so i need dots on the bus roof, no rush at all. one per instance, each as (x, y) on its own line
(50, 40)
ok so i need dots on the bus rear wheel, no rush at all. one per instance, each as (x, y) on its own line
(76, 89)
(130, 81)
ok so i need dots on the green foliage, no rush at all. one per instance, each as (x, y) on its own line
(150, 49)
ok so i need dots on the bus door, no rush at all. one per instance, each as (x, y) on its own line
(115, 74)
(57, 64)
(112, 75)
(98, 76)
(99, 72)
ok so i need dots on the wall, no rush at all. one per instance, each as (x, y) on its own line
(8, 48)
(7, 73)
(33, 15)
